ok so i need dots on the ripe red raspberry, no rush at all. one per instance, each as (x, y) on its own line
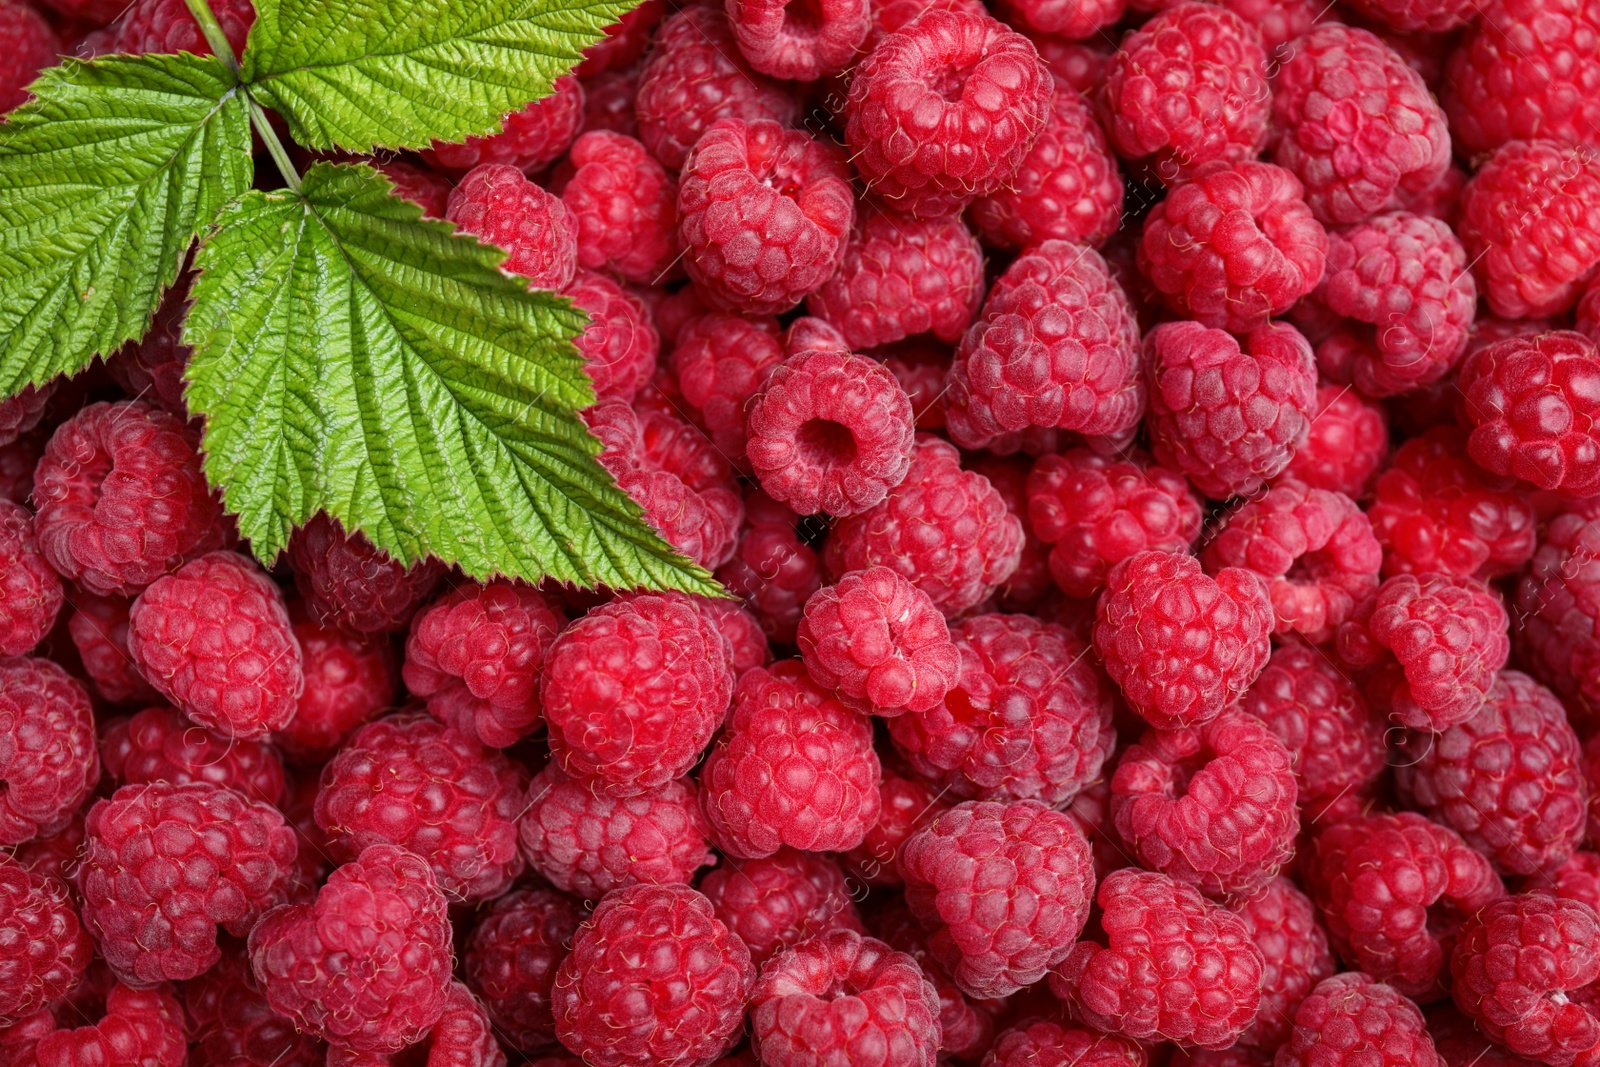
(1558, 609)
(794, 766)
(368, 986)
(588, 842)
(1389, 886)
(57, 855)
(1416, 18)
(1530, 221)
(1460, 1044)
(764, 213)
(967, 1025)
(625, 40)
(944, 111)
(529, 139)
(1174, 967)
(138, 1027)
(804, 44)
(901, 277)
(1447, 635)
(830, 432)
(1029, 716)
(1515, 963)
(1063, 18)
(1284, 925)
(1351, 1019)
(43, 948)
(427, 188)
(232, 1025)
(1577, 879)
(463, 1037)
(620, 344)
(540, 235)
(214, 638)
(98, 487)
(1233, 245)
(1048, 1043)
(21, 414)
(1336, 740)
(166, 26)
(1211, 806)
(1228, 415)
(772, 570)
(1527, 69)
(162, 745)
(166, 864)
(743, 630)
(774, 903)
(150, 369)
(695, 76)
(348, 682)
(653, 977)
(476, 654)
(840, 996)
(1508, 780)
(1076, 65)
(1314, 547)
(908, 803)
(31, 45)
(1003, 891)
(1183, 645)
(48, 759)
(1355, 124)
(348, 583)
(945, 529)
(30, 590)
(1058, 346)
(625, 206)
(407, 780)
(722, 360)
(1186, 88)
(1348, 442)
(511, 958)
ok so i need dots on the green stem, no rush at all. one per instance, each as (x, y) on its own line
(212, 29)
(275, 149)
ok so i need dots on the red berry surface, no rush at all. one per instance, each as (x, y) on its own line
(510, 961)
(1350, 1018)
(48, 759)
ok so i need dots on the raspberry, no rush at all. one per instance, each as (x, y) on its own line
(1315, 548)
(1058, 346)
(1514, 963)
(1047, 1043)
(1186, 88)
(1508, 780)
(337, 970)
(908, 802)
(20, 415)
(511, 959)
(1406, 276)
(944, 111)
(764, 214)
(426, 188)
(625, 207)
(1284, 925)
(967, 1025)
(772, 569)
(620, 344)
(589, 843)
(794, 766)
(476, 654)
(407, 780)
(1229, 416)
(1447, 635)
(162, 745)
(31, 46)
(1355, 124)
(1558, 609)
(816, 38)
(539, 234)
(348, 682)
(139, 1027)
(1002, 889)
(1351, 1019)
(1528, 69)
(1064, 18)
(1389, 886)
(57, 855)
(830, 432)
(1460, 1044)
(625, 40)
(348, 583)
(891, 16)
(1348, 442)
(1336, 741)
(529, 139)
(843, 997)
(779, 901)
(608, 105)
(98, 487)
(166, 864)
(1577, 879)
(945, 529)
(903, 277)
(1183, 645)
(166, 26)
(48, 759)
(653, 977)
(722, 360)
(43, 948)
(232, 1025)
(214, 638)
(1174, 967)
(1530, 221)
(463, 1036)
(742, 629)
(30, 591)
(1029, 716)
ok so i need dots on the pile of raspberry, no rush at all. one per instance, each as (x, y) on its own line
(1152, 454)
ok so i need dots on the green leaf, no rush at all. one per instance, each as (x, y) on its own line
(106, 177)
(367, 73)
(351, 356)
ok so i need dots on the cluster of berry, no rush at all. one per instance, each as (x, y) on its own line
(1126, 540)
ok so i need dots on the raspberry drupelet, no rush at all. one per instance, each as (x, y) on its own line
(1349, 1019)
(944, 110)
(162, 745)
(138, 1027)
(1175, 966)
(43, 947)
(349, 682)
(799, 40)
(774, 903)
(1348, 442)
(681, 1002)
(1283, 923)
(529, 140)
(510, 961)
(214, 638)
(347, 582)
(539, 234)
(625, 206)
(1183, 645)
(48, 758)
